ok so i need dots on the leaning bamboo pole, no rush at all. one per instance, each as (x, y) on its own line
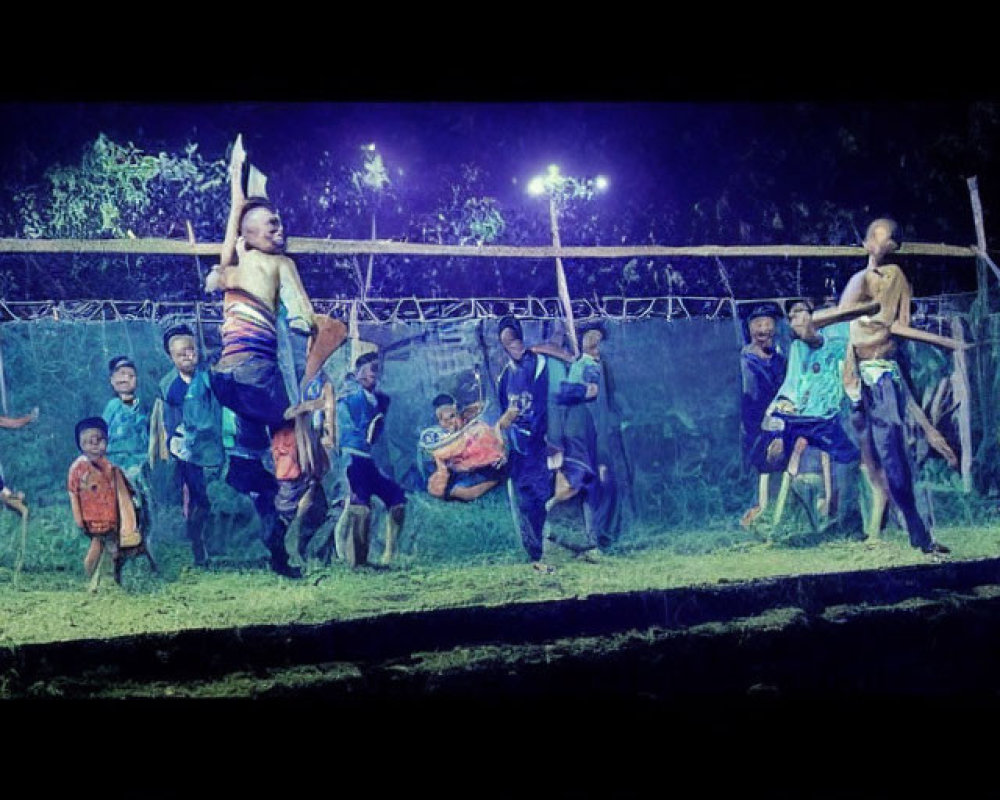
(962, 393)
(311, 246)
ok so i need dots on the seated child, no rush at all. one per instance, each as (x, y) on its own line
(101, 498)
(467, 453)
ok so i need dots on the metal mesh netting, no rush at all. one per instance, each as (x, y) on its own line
(676, 383)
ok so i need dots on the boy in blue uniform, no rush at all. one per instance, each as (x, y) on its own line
(809, 405)
(360, 418)
(192, 418)
(583, 469)
(128, 427)
(523, 392)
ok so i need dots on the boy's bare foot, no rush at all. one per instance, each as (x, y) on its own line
(15, 500)
(750, 515)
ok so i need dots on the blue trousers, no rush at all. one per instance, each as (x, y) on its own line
(195, 478)
(366, 480)
(255, 391)
(883, 407)
(532, 481)
(825, 434)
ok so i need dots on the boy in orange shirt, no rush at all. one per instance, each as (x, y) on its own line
(101, 498)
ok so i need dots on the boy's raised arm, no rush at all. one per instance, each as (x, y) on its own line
(228, 256)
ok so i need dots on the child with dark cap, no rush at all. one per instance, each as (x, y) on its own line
(762, 369)
(101, 498)
(523, 392)
(128, 426)
(191, 431)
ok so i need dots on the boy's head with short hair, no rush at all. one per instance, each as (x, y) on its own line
(592, 336)
(179, 344)
(92, 437)
(512, 337)
(122, 376)
(366, 370)
(761, 325)
(883, 237)
(446, 411)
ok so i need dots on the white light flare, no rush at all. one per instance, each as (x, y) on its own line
(536, 186)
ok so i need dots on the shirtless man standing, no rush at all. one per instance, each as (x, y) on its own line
(874, 383)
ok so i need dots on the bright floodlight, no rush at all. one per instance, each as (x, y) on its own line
(536, 186)
(370, 147)
(553, 169)
(600, 183)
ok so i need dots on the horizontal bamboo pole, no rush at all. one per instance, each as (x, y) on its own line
(307, 246)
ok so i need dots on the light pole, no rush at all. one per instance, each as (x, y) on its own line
(373, 179)
(560, 188)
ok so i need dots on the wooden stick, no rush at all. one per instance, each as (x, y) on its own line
(961, 392)
(829, 316)
(561, 286)
(989, 262)
(3, 385)
(918, 335)
(314, 246)
(977, 218)
(201, 286)
(24, 545)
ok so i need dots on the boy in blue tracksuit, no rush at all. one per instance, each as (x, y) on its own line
(523, 392)
(192, 420)
(361, 413)
(127, 419)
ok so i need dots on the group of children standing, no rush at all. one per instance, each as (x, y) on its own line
(109, 483)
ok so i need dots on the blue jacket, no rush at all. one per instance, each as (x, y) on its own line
(196, 407)
(360, 417)
(128, 432)
(526, 383)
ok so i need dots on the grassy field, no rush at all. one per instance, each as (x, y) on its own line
(454, 556)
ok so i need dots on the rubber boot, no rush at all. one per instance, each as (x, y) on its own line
(361, 532)
(279, 554)
(293, 543)
(352, 534)
(196, 534)
(393, 525)
(340, 533)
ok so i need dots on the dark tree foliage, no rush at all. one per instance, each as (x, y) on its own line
(806, 173)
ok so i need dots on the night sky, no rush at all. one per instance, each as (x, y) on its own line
(664, 160)
(663, 152)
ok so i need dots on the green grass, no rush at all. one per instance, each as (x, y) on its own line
(452, 556)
